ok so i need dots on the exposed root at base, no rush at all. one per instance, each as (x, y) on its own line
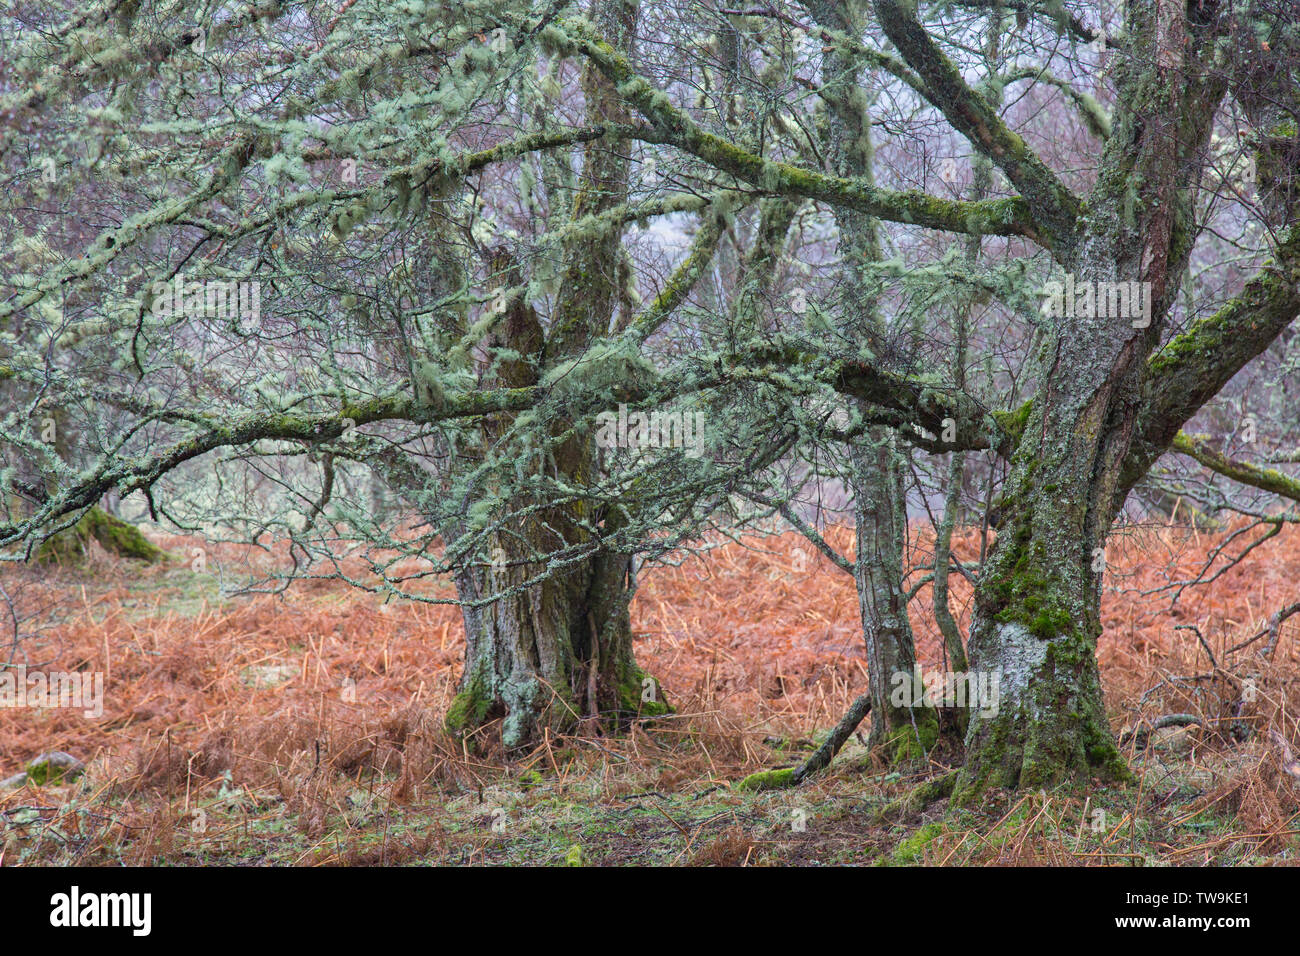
(920, 796)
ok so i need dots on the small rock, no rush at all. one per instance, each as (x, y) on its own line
(262, 676)
(17, 780)
(54, 767)
(1201, 778)
(1179, 740)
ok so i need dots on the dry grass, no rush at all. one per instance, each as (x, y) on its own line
(306, 729)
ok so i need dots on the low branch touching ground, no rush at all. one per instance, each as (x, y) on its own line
(821, 758)
(1141, 736)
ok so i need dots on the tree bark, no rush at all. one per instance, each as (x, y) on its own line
(1037, 607)
(551, 654)
(902, 725)
(555, 652)
(903, 728)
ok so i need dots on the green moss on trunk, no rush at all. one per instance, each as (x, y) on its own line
(471, 707)
(640, 695)
(911, 742)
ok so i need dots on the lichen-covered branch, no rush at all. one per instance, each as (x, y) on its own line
(1196, 364)
(1256, 476)
(1053, 207)
(997, 217)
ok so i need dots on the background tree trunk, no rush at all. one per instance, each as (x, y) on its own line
(112, 534)
(904, 726)
(904, 731)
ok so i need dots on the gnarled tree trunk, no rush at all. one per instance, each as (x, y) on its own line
(551, 653)
(1037, 617)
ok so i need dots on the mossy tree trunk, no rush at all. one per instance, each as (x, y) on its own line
(546, 654)
(71, 545)
(112, 534)
(902, 726)
(1035, 631)
(1037, 607)
(901, 723)
(1103, 411)
(554, 652)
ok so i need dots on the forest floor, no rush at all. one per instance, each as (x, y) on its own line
(305, 728)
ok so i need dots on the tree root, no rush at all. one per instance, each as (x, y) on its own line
(919, 797)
